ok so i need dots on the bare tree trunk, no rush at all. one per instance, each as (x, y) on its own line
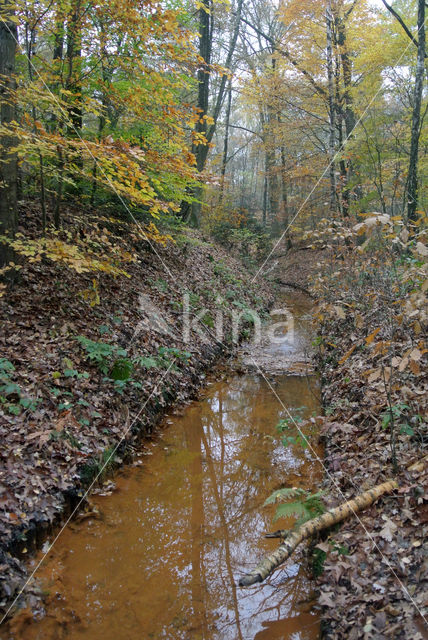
(192, 212)
(226, 139)
(30, 37)
(265, 190)
(73, 55)
(272, 184)
(331, 107)
(342, 193)
(325, 521)
(8, 166)
(412, 180)
(284, 189)
(349, 116)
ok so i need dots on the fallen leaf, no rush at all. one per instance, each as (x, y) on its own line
(372, 336)
(388, 530)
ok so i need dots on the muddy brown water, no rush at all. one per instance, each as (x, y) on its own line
(187, 520)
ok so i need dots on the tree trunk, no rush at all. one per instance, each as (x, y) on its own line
(331, 107)
(226, 139)
(284, 189)
(265, 189)
(349, 116)
(192, 212)
(74, 62)
(8, 166)
(412, 180)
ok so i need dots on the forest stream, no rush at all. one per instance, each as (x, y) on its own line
(186, 521)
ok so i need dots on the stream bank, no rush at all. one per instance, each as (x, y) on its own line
(88, 366)
(162, 550)
(373, 581)
(372, 336)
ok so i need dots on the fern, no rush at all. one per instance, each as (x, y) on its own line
(121, 369)
(287, 492)
(104, 355)
(289, 509)
(304, 506)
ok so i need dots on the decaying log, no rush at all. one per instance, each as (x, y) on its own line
(326, 520)
(419, 465)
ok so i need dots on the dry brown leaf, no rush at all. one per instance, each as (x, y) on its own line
(415, 368)
(340, 312)
(375, 375)
(388, 530)
(326, 600)
(403, 364)
(415, 354)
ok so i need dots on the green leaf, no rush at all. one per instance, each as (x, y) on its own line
(122, 369)
(64, 405)
(148, 363)
(29, 403)
(103, 329)
(11, 388)
(407, 429)
(6, 365)
(15, 409)
(70, 373)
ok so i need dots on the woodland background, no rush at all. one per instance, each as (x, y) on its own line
(249, 119)
(272, 128)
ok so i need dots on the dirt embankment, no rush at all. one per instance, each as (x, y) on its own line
(372, 356)
(88, 365)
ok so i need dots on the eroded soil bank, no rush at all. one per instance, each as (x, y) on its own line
(96, 362)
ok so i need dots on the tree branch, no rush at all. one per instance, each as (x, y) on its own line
(326, 520)
(318, 88)
(402, 23)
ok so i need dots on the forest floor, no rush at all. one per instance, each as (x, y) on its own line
(89, 363)
(371, 343)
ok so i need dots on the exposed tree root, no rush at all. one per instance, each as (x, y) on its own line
(326, 520)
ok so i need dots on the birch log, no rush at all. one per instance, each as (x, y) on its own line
(308, 529)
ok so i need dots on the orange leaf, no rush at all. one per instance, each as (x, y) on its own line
(372, 336)
(347, 354)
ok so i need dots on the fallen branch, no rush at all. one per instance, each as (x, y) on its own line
(308, 529)
(419, 465)
(293, 285)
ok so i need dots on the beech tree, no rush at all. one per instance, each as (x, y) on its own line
(412, 180)
(8, 161)
(206, 123)
(419, 42)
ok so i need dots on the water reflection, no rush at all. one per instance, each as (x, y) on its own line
(164, 560)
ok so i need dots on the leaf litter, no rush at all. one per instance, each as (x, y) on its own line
(61, 416)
